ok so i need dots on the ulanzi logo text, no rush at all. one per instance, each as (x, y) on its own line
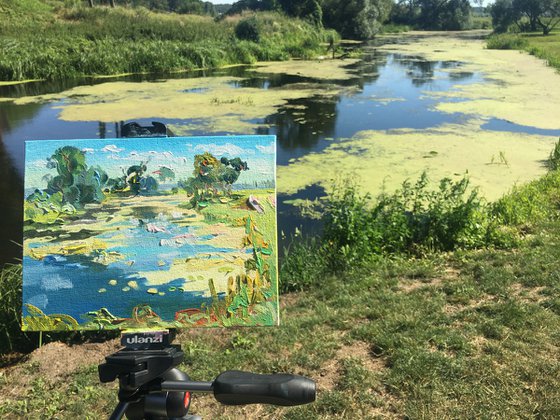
(135, 339)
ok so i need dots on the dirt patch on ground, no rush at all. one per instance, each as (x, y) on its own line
(329, 374)
(52, 363)
(57, 360)
(528, 294)
(409, 285)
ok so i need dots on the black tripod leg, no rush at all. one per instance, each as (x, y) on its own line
(118, 413)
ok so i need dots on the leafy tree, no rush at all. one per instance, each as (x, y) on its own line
(357, 19)
(531, 9)
(550, 16)
(248, 29)
(503, 15)
(309, 9)
(433, 14)
(526, 14)
(444, 14)
(256, 5)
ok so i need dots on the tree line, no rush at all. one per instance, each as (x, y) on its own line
(525, 15)
(354, 19)
(363, 19)
(195, 7)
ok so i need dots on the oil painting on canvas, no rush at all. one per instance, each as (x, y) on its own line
(150, 233)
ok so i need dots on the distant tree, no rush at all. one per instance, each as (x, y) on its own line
(255, 5)
(503, 15)
(531, 9)
(444, 14)
(528, 15)
(90, 3)
(357, 19)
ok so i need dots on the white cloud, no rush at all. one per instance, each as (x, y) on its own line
(41, 164)
(54, 282)
(88, 150)
(227, 149)
(267, 150)
(112, 149)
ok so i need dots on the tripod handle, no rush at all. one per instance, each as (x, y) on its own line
(237, 388)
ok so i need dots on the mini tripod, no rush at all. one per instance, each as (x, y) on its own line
(151, 387)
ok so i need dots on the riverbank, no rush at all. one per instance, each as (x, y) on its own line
(465, 334)
(58, 42)
(545, 47)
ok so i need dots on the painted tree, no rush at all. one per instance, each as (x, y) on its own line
(211, 175)
(78, 183)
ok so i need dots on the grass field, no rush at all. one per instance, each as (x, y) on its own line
(460, 334)
(463, 335)
(545, 47)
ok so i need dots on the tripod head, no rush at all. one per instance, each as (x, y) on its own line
(151, 387)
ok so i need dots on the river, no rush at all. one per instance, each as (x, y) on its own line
(422, 101)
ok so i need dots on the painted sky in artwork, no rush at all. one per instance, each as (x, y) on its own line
(116, 155)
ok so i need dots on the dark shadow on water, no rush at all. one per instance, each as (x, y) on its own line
(496, 124)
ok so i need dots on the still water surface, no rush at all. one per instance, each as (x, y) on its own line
(302, 126)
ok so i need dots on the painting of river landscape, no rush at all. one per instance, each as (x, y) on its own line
(150, 233)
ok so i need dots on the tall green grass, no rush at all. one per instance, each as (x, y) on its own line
(506, 42)
(11, 337)
(72, 42)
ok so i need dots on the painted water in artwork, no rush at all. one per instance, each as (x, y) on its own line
(150, 233)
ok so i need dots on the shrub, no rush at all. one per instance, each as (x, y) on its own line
(414, 219)
(506, 42)
(248, 29)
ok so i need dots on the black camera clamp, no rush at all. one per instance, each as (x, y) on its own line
(151, 387)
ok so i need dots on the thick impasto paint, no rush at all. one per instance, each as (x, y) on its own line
(150, 233)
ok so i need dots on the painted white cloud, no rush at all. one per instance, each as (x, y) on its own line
(40, 301)
(267, 150)
(88, 150)
(227, 149)
(112, 149)
(55, 282)
(40, 164)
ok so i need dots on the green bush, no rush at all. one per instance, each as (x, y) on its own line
(506, 42)
(414, 219)
(248, 30)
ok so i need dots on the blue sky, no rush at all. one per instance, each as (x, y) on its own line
(177, 153)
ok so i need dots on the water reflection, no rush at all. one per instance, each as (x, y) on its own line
(11, 191)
